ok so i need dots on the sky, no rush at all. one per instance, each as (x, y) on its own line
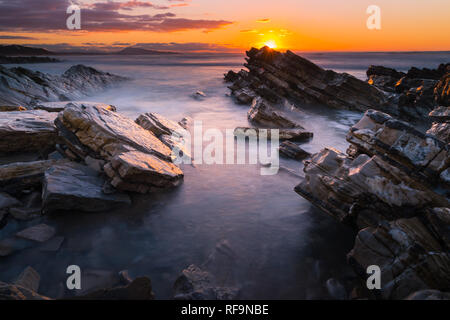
(228, 25)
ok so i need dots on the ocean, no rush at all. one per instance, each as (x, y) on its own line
(250, 231)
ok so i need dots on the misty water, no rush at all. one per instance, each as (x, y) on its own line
(250, 231)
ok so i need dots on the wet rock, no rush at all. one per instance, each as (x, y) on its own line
(440, 114)
(22, 86)
(264, 114)
(300, 135)
(410, 258)
(38, 233)
(16, 292)
(16, 177)
(138, 289)
(158, 124)
(136, 160)
(11, 108)
(423, 156)
(51, 106)
(292, 150)
(429, 295)
(27, 130)
(196, 284)
(29, 279)
(76, 187)
(276, 76)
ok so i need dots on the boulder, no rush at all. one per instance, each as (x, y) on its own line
(264, 114)
(197, 284)
(283, 134)
(38, 233)
(292, 150)
(409, 257)
(159, 125)
(135, 159)
(22, 86)
(75, 187)
(277, 76)
(17, 292)
(27, 130)
(29, 279)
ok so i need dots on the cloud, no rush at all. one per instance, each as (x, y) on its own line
(249, 31)
(16, 37)
(50, 15)
(263, 20)
(188, 47)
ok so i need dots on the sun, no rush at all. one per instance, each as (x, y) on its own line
(271, 44)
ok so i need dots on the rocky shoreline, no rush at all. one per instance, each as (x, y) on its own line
(392, 184)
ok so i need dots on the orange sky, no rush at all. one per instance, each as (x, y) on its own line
(322, 25)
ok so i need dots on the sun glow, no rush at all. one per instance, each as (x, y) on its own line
(271, 44)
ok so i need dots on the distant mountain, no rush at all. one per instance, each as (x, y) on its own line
(16, 50)
(140, 51)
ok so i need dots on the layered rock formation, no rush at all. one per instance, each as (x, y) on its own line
(391, 188)
(277, 76)
(20, 86)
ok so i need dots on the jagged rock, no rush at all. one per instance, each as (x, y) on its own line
(418, 154)
(383, 78)
(429, 295)
(363, 191)
(29, 279)
(292, 150)
(409, 257)
(11, 108)
(138, 289)
(383, 71)
(27, 130)
(136, 160)
(158, 124)
(277, 76)
(196, 284)
(262, 113)
(16, 292)
(38, 233)
(76, 187)
(60, 105)
(442, 91)
(21, 86)
(17, 176)
(283, 134)
(425, 73)
(7, 201)
(441, 125)
(439, 223)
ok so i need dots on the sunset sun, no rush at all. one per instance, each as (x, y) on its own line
(271, 44)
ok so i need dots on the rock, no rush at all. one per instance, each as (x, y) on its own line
(262, 113)
(125, 278)
(410, 258)
(277, 76)
(283, 134)
(199, 95)
(439, 223)
(383, 78)
(29, 279)
(196, 284)
(7, 201)
(441, 125)
(21, 86)
(11, 108)
(136, 160)
(442, 91)
(423, 156)
(440, 114)
(95, 280)
(27, 130)
(184, 123)
(16, 292)
(429, 295)
(38, 233)
(292, 150)
(51, 106)
(425, 73)
(76, 187)
(138, 289)
(16, 177)
(231, 76)
(25, 214)
(383, 71)
(159, 125)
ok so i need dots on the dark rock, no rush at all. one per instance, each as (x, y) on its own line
(52, 245)
(76, 187)
(11, 108)
(264, 114)
(29, 279)
(383, 71)
(27, 130)
(138, 289)
(429, 295)
(16, 292)
(196, 284)
(7, 201)
(38, 233)
(442, 91)
(292, 150)
(24, 214)
(425, 73)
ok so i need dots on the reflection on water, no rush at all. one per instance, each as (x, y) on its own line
(251, 231)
